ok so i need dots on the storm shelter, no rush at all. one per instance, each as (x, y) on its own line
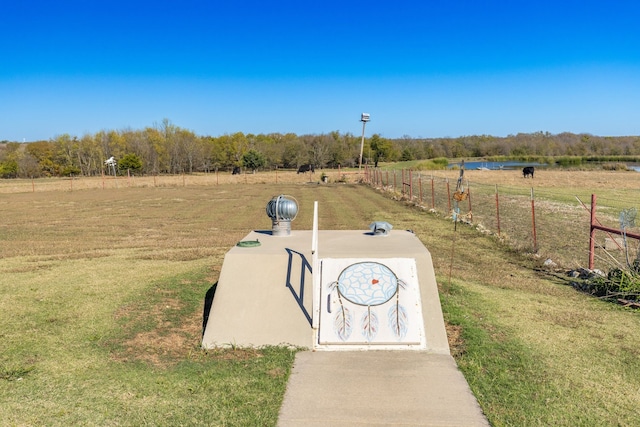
(367, 291)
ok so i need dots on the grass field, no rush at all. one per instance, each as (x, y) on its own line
(556, 201)
(102, 290)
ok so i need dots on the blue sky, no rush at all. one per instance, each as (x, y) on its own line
(420, 68)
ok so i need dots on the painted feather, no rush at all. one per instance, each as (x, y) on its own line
(332, 286)
(398, 321)
(369, 324)
(342, 323)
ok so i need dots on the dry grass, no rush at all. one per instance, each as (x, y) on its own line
(168, 181)
(562, 203)
(550, 178)
(117, 275)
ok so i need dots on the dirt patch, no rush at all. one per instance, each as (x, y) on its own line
(454, 336)
(243, 353)
(167, 342)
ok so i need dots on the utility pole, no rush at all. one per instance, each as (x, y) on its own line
(364, 119)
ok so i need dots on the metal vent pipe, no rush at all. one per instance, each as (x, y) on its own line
(282, 210)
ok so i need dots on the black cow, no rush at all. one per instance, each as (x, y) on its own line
(236, 170)
(306, 168)
(528, 170)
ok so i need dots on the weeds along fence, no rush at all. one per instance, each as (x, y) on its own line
(550, 224)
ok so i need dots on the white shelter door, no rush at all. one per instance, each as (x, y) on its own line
(370, 302)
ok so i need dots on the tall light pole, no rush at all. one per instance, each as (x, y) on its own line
(364, 119)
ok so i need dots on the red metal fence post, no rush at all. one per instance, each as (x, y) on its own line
(410, 185)
(469, 198)
(592, 232)
(497, 210)
(433, 195)
(533, 222)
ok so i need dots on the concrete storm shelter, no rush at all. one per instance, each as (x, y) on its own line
(366, 305)
(374, 289)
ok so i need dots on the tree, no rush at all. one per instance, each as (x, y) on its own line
(28, 166)
(43, 152)
(381, 148)
(131, 162)
(406, 155)
(253, 160)
(9, 169)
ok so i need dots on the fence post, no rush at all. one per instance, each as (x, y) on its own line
(533, 222)
(410, 185)
(497, 210)
(402, 189)
(448, 195)
(420, 187)
(592, 232)
(433, 195)
(469, 198)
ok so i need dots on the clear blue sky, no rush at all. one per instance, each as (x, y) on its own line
(420, 68)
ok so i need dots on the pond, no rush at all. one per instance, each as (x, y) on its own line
(508, 165)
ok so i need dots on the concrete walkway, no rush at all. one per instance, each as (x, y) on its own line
(378, 388)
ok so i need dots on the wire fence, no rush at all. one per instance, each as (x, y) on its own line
(550, 224)
(547, 222)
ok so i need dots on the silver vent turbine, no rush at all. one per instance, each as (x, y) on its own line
(282, 210)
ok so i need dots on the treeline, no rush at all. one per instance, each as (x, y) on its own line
(169, 149)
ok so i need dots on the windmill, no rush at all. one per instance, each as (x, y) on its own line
(111, 164)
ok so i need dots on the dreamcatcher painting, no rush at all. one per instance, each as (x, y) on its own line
(369, 303)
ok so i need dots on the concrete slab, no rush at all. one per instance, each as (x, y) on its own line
(378, 388)
(264, 293)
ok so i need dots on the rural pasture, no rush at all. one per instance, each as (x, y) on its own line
(548, 215)
(102, 289)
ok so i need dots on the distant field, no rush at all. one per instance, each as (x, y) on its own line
(202, 179)
(102, 290)
(581, 181)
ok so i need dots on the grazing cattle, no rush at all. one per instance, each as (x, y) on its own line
(526, 171)
(306, 168)
(236, 170)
